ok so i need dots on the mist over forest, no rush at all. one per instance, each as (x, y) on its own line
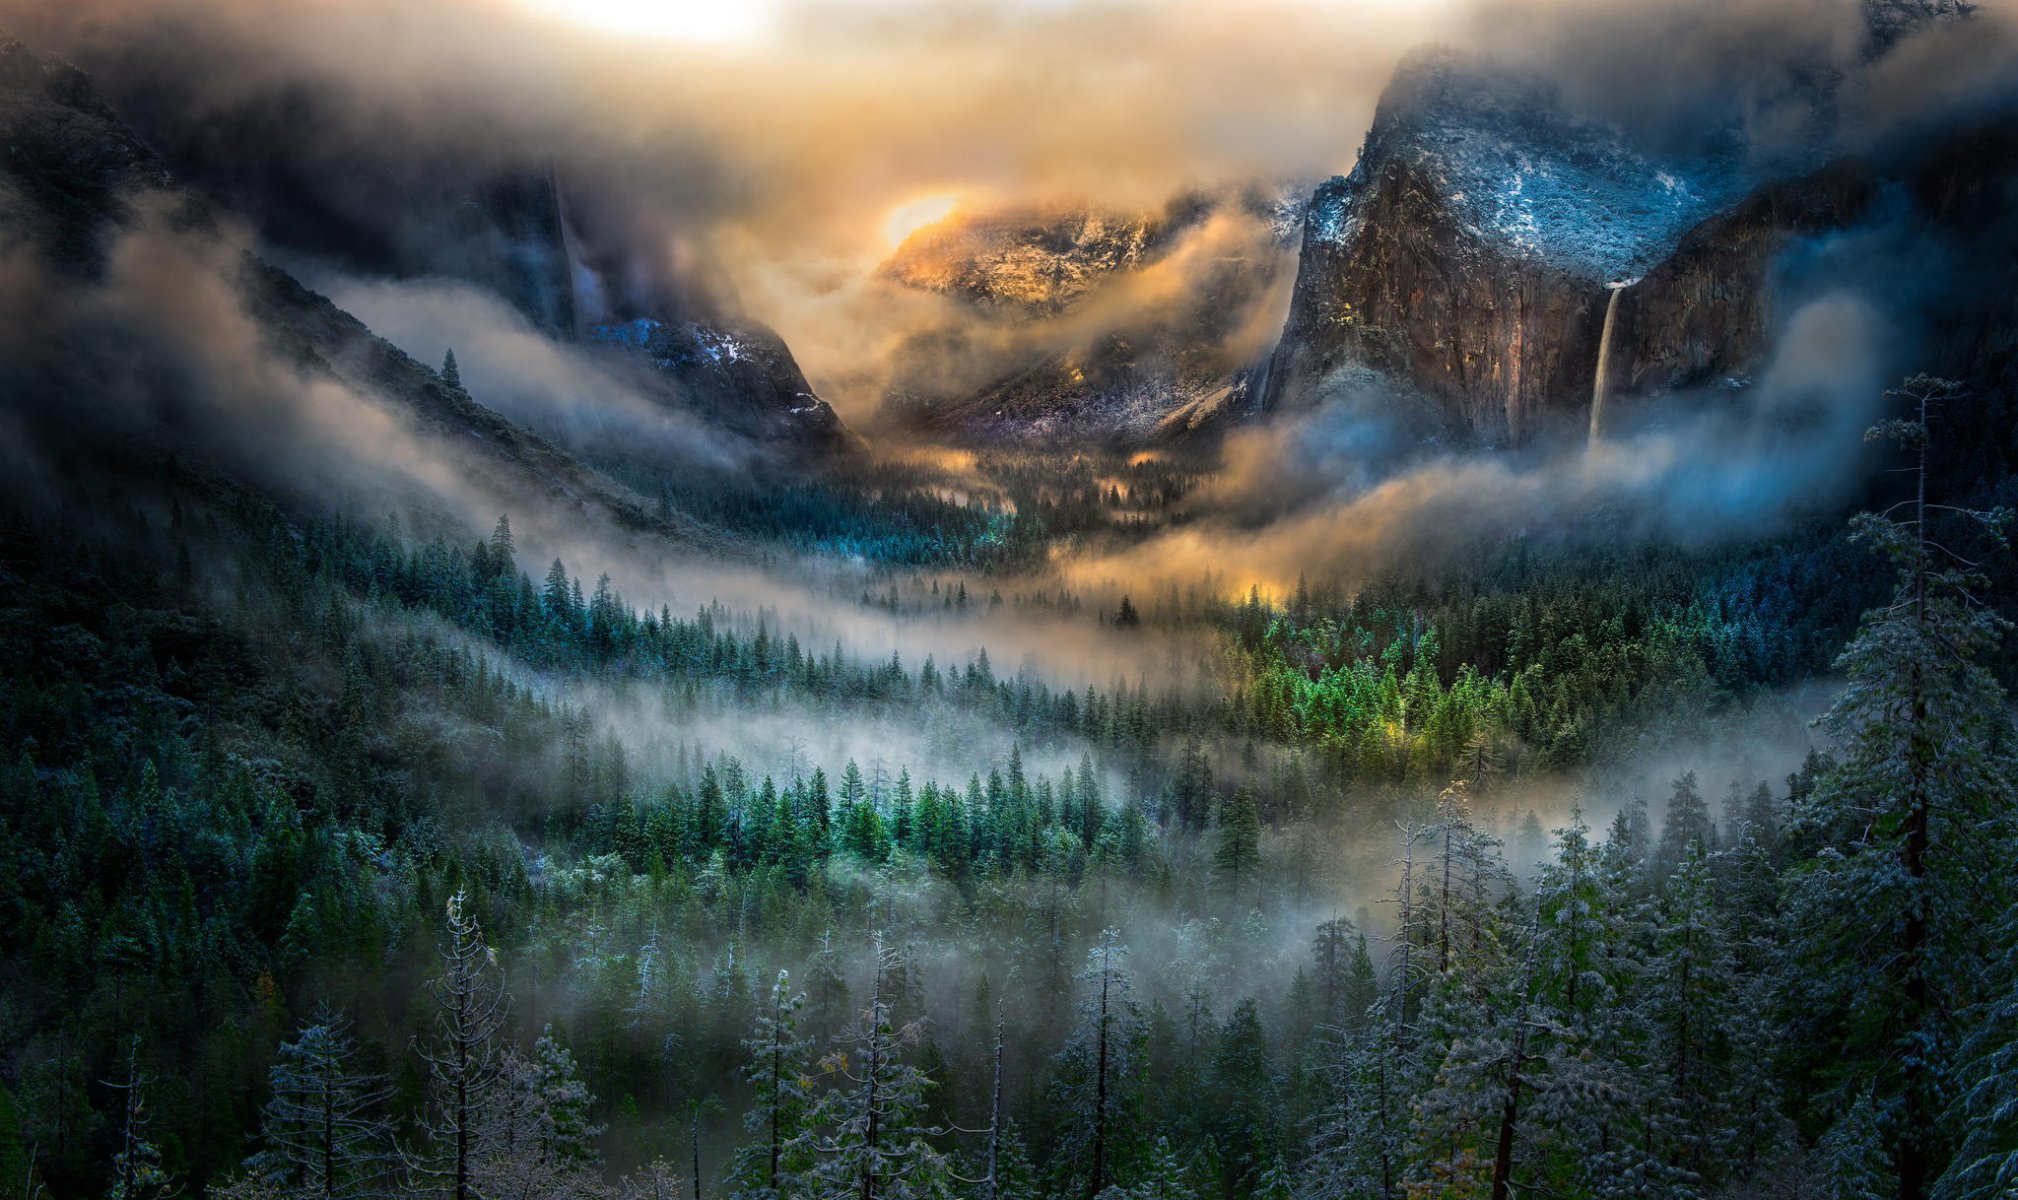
(1310, 600)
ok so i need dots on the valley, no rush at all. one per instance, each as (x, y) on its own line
(1485, 675)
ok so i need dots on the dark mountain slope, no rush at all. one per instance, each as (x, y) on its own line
(96, 383)
(336, 179)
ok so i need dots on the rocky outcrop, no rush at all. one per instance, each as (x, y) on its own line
(1472, 255)
(1705, 311)
(1081, 324)
(1471, 251)
(1030, 260)
(741, 376)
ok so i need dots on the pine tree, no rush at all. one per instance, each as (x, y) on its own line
(451, 378)
(324, 1128)
(138, 1172)
(780, 1070)
(1245, 1114)
(1687, 827)
(865, 1134)
(463, 1067)
(503, 547)
(1096, 1097)
(1890, 906)
(1239, 849)
(535, 1135)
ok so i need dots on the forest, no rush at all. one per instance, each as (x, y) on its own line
(335, 866)
(1067, 601)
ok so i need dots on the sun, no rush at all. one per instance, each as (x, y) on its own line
(914, 214)
(719, 21)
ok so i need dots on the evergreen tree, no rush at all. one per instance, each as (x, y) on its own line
(462, 1060)
(864, 1134)
(324, 1128)
(1239, 849)
(1245, 1115)
(779, 1068)
(535, 1137)
(1889, 906)
(1688, 828)
(1096, 1095)
(138, 1172)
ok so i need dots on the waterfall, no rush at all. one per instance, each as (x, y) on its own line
(1601, 381)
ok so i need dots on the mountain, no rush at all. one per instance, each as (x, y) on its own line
(1470, 250)
(1488, 236)
(329, 179)
(103, 392)
(1088, 323)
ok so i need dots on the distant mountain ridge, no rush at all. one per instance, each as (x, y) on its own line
(573, 255)
(1103, 325)
(74, 181)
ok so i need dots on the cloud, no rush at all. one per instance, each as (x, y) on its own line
(765, 169)
(1345, 492)
(602, 405)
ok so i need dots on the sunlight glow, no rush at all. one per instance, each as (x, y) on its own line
(912, 215)
(716, 21)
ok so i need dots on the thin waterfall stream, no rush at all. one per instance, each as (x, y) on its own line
(1601, 382)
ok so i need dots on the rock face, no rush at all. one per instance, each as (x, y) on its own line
(1470, 251)
(1039, 262)
(1705, 311)
(1473, 252)
(1088, 324)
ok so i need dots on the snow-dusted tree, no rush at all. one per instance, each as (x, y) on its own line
(1687, 1004)
(1464, 879)
(324, 1127)
(779, 1067)
(656, 1180)
(865, 1135)
(1986, 1106)
(137, 1170)
(1478, 1026)
(1852, 1160)
(1589, 1119)
(463, 1067)
(1890, 907)
(1162, 1177)
(535, 1136)
(1357, 1146)
(1096, 1095)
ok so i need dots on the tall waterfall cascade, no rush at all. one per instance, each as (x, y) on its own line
(1601, 382)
